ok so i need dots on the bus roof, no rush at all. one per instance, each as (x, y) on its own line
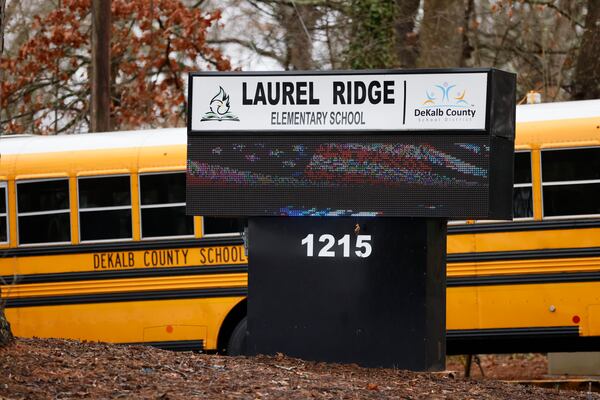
(559, 110)
(558, 125)
(29, 144)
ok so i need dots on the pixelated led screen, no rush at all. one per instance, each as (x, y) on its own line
(338, 175)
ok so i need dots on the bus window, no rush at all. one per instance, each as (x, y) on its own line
(105, 208)
(162, 205)
(223, 226)
(3, 214)
(522, 192)
(571, 182)
(43, 211)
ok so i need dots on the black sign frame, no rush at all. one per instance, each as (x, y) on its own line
(499, 127)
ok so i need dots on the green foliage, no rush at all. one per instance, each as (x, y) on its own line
(372, 41)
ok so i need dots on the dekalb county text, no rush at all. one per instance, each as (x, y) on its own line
(170, 258)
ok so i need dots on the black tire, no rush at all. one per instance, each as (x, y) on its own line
(238, 339)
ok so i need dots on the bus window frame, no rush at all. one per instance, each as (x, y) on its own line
(564, 183)
(34, 213)
(529, 185)
(515, 185)
(4, 184)
(163, 205)
(217, 235)
(92, 209)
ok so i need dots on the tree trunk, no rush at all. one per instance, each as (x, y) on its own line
(372, 41)
(586, 84)
(298, 21)
(441, 34)
(100, 104)
(406, 38)
(2, 19)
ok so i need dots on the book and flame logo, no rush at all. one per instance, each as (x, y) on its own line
(219, 108)
(443, 95)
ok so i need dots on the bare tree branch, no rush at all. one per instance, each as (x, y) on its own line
(249, 45)
(552, 5)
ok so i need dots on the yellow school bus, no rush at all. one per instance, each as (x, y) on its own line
(533, 284)
(95, 244)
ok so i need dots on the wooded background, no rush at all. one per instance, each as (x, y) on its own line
(46, 56)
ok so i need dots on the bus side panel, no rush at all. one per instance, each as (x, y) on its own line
(125, 259)
(523, 306)
(126, 322)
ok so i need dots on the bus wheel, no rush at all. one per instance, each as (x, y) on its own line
(237, 342)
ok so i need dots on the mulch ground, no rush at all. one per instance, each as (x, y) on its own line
(502, 366)
(63, 369)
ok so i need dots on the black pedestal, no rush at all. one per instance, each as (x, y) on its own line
(311, 300)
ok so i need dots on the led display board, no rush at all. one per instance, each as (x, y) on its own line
(423, 143)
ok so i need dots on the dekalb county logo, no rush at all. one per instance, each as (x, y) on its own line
(444, 101)
(443, 96)
(219, 108)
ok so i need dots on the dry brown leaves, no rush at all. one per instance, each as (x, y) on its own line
(153, 45)
(61, 369)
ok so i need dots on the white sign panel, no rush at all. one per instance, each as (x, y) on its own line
(375, 102)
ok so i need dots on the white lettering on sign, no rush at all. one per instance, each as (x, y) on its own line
(361, 101)
(328, 249)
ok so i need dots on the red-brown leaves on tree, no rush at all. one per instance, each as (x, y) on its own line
(153, 45)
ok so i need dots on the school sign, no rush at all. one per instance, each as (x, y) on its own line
(423, 143)
(380, 102)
